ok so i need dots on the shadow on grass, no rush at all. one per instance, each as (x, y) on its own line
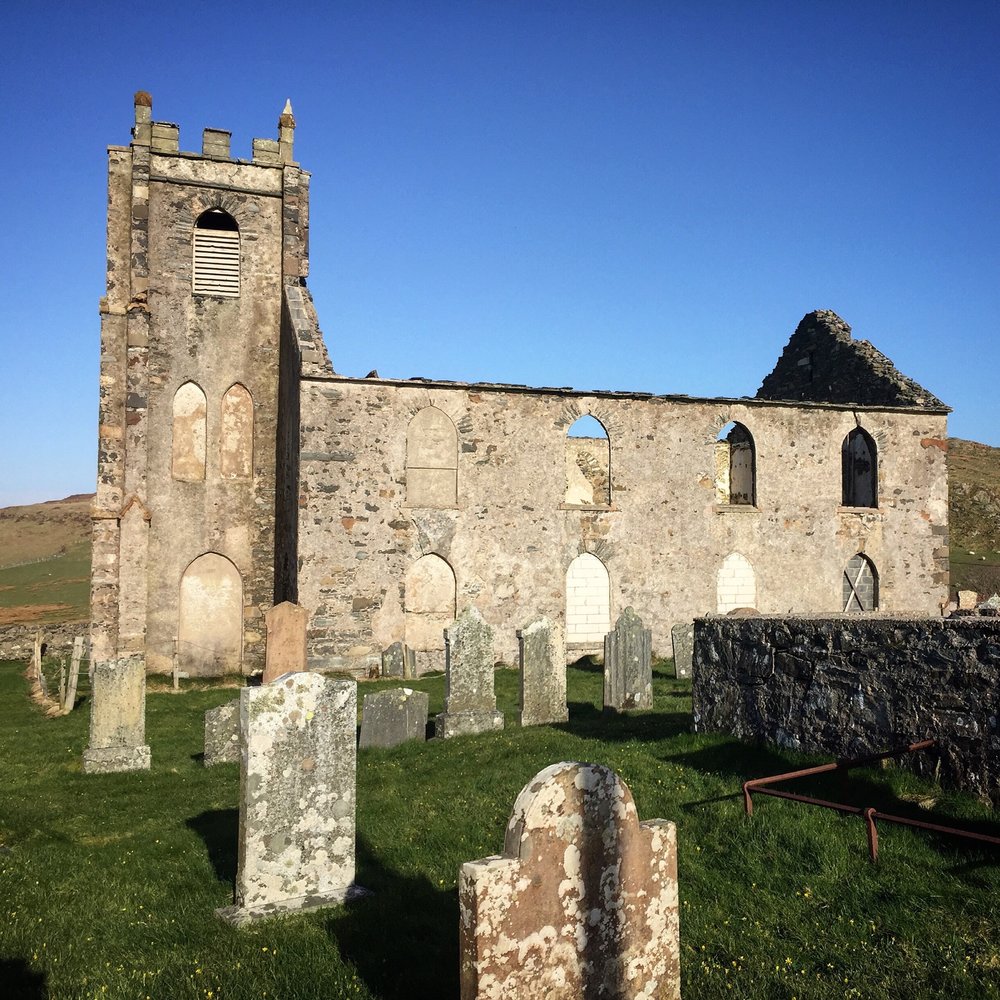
(20, 981)
(219, 829)
(402, 939)
(586, 720)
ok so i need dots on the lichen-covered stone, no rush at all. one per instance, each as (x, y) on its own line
(389, 718)
(470, 704)
(118, 717)
(628, 664)
(682, 636)
(582, 902)
(298, 772)
(542, 659)
(398, 661)
(222, 734)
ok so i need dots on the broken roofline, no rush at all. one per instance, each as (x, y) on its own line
(568, 392)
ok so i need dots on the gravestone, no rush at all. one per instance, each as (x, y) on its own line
(398, 661)
(470, 704)
(286, 640)
(118, 717)
(222, 734)
(628, 670)
(298, 771)
(582, 902)
(682, 636)
(542, 660)
(990, 607)
(69, 701)
(389, 718)
(967, 600)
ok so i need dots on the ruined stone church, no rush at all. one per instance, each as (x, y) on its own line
(238, 469)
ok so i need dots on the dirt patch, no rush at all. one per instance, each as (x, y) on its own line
(30, 613)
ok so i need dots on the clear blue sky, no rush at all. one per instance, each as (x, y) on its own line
(611, 195)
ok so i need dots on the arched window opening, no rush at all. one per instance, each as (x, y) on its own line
(429, 602)
(588, 600)
(189, 432)
(210, 619)
(737, 584)
(859, 458)
(735, 467)
(216, 268)
(860, 587)
(588, 463)
(236, 439)
(431, 460)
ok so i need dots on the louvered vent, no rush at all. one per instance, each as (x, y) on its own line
(216, 262)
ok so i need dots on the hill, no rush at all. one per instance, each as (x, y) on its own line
(45, 547)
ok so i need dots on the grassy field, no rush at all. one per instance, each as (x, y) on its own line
(108, 882)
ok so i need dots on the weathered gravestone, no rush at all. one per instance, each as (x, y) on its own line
(967, 600)
(542, 657)
(582, 902)
(398, 661)
(682, 636)
(222, 734)
(628, 671)
(389, 718)
(470, 704)
(298, 765)
(286, 640)
(118, 717)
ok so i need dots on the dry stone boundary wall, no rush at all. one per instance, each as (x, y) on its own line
(17, 641)
(848, 686)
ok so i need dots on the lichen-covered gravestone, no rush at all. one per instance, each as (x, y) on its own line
(628, 670)
(222, 734)
(542, 659)
(389, 718)
(286, 639)
(682, 637)
(470, 704)
(118, 717)
(398, 661)
(298, 772)
(583, 901)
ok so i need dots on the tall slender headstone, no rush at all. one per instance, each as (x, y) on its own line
(69, 702)
(118, 717)
(628, 664)
(470, 704)
(542, 659)
(286, 639)
(298, 772)
(222, 734)
(682, 637)
(582, 902)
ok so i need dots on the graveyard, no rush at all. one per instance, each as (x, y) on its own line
(111, 881)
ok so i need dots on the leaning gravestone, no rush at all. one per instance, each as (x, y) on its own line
(683, 640)
(470, 704)
(398, 661)
(628, 671)
(542, 659)
(286, 640)
(582, 902)
(389, 718)
(298, 771)
(222, 734)
(118, 717)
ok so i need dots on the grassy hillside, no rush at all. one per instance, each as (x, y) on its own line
(45, 548)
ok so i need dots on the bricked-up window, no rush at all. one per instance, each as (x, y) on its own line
(189, 433)
(429, 602)
(588, 463)
(860, 585)
(860, 468)
(588, 600)
(236, 438)
(737, 585)
(216, 254)
(431, 460)
(735, 467)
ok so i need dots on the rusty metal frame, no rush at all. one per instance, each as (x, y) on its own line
(868, 814)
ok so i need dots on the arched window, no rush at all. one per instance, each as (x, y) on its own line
(860, 585)
(588, 463)
(189, 431)
(236, 439)
(210, 618)
(216, 268)
(859, 458)
(735, 467)
(429, 602)
(431, 460)
(588, 600)
(737, 585)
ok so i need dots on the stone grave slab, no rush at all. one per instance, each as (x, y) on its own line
(286, 640)
(399, 661)
(389, 718)
(682, 636)
(542, 661)
(628, 664)
(222, 734)
(470, 704)
(118, 717)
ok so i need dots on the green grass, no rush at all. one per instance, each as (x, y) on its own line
(52, 590)
(108, 882)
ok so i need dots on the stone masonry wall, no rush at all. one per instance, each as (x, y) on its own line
(17, 641)
(850, 686)
(511, 537)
